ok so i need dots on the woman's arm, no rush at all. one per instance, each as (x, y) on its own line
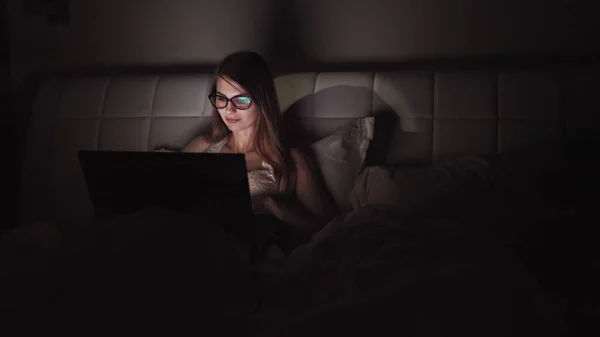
(310, 191)
(312, 207)
(198, 144)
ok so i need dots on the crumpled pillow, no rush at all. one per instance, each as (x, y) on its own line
(340, 157)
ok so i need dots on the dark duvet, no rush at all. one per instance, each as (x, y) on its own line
(370, 272)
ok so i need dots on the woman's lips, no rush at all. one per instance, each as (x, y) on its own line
(231, 121)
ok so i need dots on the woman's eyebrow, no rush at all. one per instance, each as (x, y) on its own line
(222, 94)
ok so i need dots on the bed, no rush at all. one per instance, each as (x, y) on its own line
(461, 187)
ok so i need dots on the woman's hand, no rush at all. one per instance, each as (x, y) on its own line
(299, 224)
(286, 212)
(293, 213)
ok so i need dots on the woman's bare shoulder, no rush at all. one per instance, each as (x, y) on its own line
(198, 144)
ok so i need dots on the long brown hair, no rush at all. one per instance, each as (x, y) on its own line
(251, 71)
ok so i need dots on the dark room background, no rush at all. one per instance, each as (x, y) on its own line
(170, 32)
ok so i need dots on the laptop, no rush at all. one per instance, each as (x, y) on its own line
(212, 185)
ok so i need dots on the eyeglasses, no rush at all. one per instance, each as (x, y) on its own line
(240, 102)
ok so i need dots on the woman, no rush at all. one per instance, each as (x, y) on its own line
(246, 119)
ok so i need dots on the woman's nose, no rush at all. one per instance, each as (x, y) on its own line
(230, 108)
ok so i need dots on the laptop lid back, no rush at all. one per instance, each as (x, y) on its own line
(208, 184)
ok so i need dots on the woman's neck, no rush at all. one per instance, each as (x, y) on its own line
(242, 141)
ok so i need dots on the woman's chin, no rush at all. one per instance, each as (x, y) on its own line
(237, 128)
(233, 128)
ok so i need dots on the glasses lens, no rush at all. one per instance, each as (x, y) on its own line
(242, 102)
(218, 101)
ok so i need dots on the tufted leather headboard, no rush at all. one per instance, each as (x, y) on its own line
(426, 114)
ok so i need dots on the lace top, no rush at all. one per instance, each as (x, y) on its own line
(262, 180)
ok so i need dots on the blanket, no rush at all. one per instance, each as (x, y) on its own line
(151, 272)
(370, 271)
(375, 271)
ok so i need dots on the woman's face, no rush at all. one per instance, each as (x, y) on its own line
(236, 118)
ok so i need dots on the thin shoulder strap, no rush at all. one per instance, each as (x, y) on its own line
(216, 147)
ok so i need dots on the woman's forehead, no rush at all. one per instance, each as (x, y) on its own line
(229, 87)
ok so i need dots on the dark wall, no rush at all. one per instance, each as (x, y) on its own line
(117, 32)
(8, 132)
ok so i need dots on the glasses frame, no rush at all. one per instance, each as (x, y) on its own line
(228, 100)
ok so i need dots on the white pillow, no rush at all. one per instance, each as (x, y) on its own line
(340, 157)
